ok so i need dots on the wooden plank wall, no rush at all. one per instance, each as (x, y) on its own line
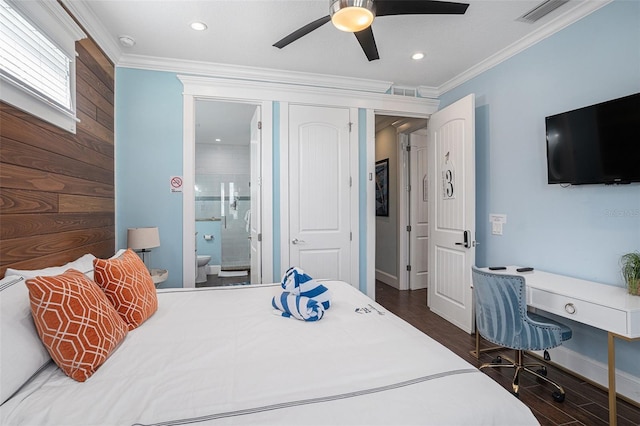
(57, 188)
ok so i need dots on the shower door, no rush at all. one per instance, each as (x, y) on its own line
(235, 231)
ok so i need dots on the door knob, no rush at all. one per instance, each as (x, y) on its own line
(297, 241)
(467, 242)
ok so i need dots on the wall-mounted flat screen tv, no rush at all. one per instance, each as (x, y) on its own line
(596, 144)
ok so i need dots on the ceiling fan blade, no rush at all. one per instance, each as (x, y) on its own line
(302, 32)
(368, 43)
(419, 7)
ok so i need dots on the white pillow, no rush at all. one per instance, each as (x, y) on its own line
(22, 353)
(118, 253)
(83, 264)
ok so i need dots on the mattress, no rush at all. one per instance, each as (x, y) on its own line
(220, 356)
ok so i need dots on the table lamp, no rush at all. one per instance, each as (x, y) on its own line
(142, 240)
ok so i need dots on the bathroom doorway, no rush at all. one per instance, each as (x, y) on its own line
(225, 170)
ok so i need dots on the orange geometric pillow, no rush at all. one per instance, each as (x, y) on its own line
(128, 286)
(75, 321)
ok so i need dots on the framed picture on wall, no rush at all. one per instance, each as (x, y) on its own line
(382, 187)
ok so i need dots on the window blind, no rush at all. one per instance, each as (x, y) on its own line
(31, 61)
(37, 60)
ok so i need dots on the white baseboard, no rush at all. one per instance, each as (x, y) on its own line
(626, 384)
(387, 279)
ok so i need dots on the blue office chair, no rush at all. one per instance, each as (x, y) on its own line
(502, 318)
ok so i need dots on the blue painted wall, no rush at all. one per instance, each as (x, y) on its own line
(579, 231)
(149, 151)
(211, 247)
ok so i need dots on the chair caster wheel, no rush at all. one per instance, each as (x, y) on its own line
(557, 396)
(542, 371)
(497, 360)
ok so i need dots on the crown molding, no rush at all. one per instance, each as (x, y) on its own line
(540, 34)
(239, 72)
(428, 92)
(94, 28)
(226, 87)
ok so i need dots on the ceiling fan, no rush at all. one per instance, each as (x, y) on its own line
(356, 16)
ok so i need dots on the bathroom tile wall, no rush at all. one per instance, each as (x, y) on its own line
(218, 166)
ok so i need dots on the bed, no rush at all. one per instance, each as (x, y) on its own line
(220, 356)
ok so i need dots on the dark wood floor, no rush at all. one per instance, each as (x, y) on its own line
(585, 404)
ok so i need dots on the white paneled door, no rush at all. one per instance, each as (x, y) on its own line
(319, 191)
(451, 133)
(419, 218)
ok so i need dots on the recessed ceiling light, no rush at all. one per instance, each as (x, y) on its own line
(199, 26)
(127, 41)
(417, 56)
(218, 139)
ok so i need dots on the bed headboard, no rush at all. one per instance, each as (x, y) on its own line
(57, 188)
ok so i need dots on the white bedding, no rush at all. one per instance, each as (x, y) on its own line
(220, 356)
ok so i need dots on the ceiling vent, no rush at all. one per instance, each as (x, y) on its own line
(541, 10)
(404, 91)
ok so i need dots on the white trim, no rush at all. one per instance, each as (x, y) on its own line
(230, 88)
(248, 73)
(626, 384)
(93, 24)
(370, 246)
(354, 197)
(38, 106)
(284, 187)
(188, 192)
(547, 30)
(266, 186)
(387, 279)
(428, 92)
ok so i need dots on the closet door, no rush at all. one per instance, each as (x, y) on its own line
(320, 191)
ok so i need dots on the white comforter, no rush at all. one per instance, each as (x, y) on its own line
(220, 356)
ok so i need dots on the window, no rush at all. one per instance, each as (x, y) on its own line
(37, 52)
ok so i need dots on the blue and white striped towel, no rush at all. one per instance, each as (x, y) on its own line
(295, 281)
(299, 307)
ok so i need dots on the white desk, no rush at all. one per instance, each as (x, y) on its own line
(602, 306)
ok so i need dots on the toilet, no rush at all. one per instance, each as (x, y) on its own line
(202, 268)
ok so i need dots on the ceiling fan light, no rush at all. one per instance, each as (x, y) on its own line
(352, 15)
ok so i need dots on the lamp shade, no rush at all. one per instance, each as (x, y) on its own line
(143, 238)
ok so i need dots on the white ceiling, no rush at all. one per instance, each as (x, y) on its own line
(241, 32)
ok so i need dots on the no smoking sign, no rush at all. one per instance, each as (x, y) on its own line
(175, 183)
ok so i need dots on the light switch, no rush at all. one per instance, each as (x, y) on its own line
(496, 228)
(497, 220)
